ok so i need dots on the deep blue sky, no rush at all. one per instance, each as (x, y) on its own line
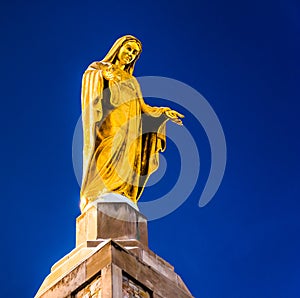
(243, 56)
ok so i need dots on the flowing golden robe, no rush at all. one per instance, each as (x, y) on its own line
(122, 134)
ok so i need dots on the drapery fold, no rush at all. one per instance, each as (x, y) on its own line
(122, 134)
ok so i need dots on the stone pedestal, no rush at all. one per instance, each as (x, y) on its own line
(112, 260)
(111, 220)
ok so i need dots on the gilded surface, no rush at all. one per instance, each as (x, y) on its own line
(122, 134)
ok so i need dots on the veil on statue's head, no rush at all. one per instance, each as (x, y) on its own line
(113, 52)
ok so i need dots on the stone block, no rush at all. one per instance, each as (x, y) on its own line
(111, 220)
(111, 271)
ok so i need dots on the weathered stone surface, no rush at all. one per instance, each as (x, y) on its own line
(93, 289)
(113, 263)
(166, 285)
(59, 278)
(131, 289)
(64, 286)
(116, 281)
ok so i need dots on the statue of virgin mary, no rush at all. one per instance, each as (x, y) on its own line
(122, 134)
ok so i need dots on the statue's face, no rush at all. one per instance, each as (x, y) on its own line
(128, 52)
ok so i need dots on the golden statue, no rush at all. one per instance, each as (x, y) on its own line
(122, 134)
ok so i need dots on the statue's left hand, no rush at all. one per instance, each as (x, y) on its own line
(174, 116)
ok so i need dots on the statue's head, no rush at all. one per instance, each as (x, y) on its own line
(127, 50)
